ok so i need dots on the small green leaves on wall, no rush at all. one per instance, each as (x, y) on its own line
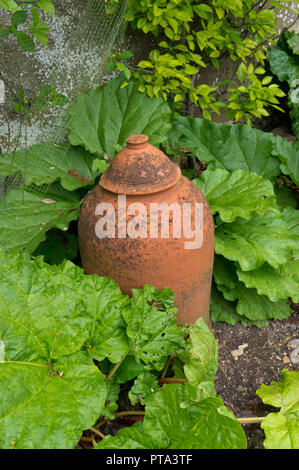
(9, 5)
(47, 6)
(200, 35)
(37, 28)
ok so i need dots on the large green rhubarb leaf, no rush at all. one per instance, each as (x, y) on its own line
(288, 153)
(48, 406)
(255, 309)
(101, 118)
(226, 146)
(252, 242)
(236, 194)
(26, 215)
(144, 385)
(283, 62)
(251, 308)
(48, 162)
(50, 388)
(151, 326)
(221, 309)
(276, 284)
(173, 420)
(292, 216)
(282, 428)
(200, 359)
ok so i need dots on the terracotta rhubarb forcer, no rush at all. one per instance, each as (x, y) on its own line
(144, 176)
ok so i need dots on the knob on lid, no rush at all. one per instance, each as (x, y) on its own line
(140, 168)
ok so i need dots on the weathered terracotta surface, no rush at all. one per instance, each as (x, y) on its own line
(145, 175)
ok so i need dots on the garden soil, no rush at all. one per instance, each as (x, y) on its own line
(265, 352)
(248, 357)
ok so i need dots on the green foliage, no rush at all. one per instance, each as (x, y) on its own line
(235, 147)
(50, 388)
(256, 231)
(46, 163)
(200, 359)
(102, 118)
(50, 333)
(236, 194)
(284, 63)
(256, 238)
(37, 29)
(152, 316)
(196, 35)
(282, 428)
(32, 106)
(27, 214)
(173, 420)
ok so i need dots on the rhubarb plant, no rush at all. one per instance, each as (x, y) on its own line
(68, 341)
(59, 329)
(256, 224)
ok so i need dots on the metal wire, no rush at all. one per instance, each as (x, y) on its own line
(88, 47)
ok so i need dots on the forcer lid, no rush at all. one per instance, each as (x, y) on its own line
(140, 168)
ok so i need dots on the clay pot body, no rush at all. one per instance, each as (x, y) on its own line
(146, 176)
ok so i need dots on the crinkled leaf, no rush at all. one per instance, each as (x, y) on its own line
(104, 301)
(111, 404)
(226, 146)
(51, 390)
(48, 162)
(172, 415)
(252, 242)
(276, 284)
(43, 315)
(173, 419)
(221, 309)
(103, 117)
(251, 308)
(46, 407)
(282, 428)
(224, 272)
(236, 194)
(26, 216)
(133, 437)
(128, 370)
(255, 309)
(293, 41)
(151, 326)
(292, 216)
(283, 63)
(144, 385)
(288, 152)
(201, 359)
